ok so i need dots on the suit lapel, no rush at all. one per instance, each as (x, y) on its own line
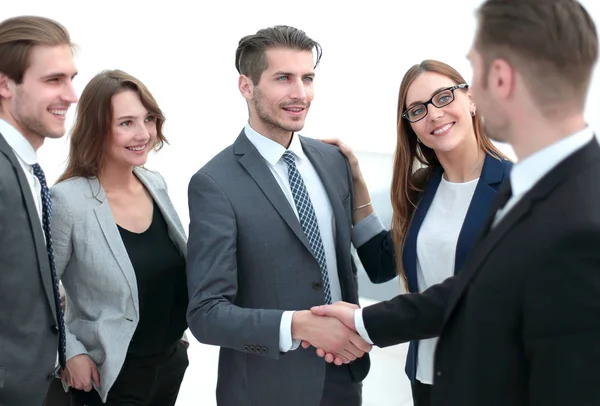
(160, 196)
(409, 255)
(342, 221)
(589, 154)
(34, 223)
(483, 197)
(257, 168)
(113, 238)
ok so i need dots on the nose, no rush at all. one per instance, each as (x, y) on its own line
(434, 113)
(298, 91)
(69, 94)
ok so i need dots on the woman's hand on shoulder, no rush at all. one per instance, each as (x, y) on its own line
(347, 151)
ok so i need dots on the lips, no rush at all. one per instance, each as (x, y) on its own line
(59, 113)
(137, 148)
(443, 129)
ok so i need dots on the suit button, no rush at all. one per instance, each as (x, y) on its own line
(54, 329)
(438, 373)
(317, 285)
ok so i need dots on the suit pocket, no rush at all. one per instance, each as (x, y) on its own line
(86, 332)
(2, 377)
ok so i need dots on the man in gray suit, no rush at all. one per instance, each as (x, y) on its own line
(36, 72)
(270, 222)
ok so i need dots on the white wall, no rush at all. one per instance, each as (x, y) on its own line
(186, 58)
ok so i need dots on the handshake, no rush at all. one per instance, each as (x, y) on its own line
(331, 330)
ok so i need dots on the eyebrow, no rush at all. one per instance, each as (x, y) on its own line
(282, 73)
(420, 102)
(58, 75)
(130, 117)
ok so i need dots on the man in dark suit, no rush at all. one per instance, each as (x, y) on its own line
(270, 222)
(36, 72)
(520, 325)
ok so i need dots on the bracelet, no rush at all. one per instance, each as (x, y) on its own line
(363, 206)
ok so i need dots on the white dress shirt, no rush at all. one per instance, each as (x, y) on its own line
(26, 156)
(273, 152)
(523, 177)
(528, 172)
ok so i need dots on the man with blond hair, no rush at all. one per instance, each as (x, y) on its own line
(36, 91)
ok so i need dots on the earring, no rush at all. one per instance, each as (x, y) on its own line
(418, 140)
(473, 113)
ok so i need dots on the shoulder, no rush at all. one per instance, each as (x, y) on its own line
(330, 154)
(221, 160)
(70, 186)
(75, 193)
(152, 179)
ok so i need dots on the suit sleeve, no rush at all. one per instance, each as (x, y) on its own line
(561, 319)
(212, 274)
(62, 243)
(378, 258)
(407, 317)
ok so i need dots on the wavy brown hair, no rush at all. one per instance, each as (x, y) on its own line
(92, 130)
(407, 184)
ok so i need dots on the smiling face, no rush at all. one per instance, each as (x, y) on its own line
(280, 101)
(133, 131)
(443, 129)
(37, 107)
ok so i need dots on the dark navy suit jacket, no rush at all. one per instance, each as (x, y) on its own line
(377, 254)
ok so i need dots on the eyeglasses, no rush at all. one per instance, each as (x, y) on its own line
(440, 99)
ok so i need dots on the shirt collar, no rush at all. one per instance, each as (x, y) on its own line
(270, 150)
(18, 143)
(527, 173)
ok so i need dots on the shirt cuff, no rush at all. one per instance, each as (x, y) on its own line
(366, 229)
(286, 343)
(360, 326)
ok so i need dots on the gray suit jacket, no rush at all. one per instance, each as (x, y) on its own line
(99, 279)
(28, 334)
(249, 260)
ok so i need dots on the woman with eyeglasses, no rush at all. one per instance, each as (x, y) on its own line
(439, 209)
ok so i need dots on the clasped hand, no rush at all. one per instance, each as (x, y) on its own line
(80, 372)
(337, 341)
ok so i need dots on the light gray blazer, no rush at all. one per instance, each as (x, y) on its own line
(102, 307)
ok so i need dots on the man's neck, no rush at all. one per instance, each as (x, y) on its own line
(280, 136)
(35, 140)
(532, 136)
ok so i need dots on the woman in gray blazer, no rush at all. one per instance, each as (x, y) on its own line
(120, 250)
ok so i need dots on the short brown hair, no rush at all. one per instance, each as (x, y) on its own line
(93, 121)
(250, 58)
(18, 35)
(553, 43)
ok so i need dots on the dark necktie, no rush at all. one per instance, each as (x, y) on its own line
(502, 197)
(46, 222)
(308, 219)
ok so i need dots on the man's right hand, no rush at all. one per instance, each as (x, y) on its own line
(330, 335)
(81, 371)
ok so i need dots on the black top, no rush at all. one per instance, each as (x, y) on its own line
(160, 273)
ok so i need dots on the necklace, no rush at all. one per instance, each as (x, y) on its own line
(476, 166)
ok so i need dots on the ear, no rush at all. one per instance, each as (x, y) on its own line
(472, 106)
(502, 78)
(246, 87)
(5, 86)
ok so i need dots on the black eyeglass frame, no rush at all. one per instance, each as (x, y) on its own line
(430, 101)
